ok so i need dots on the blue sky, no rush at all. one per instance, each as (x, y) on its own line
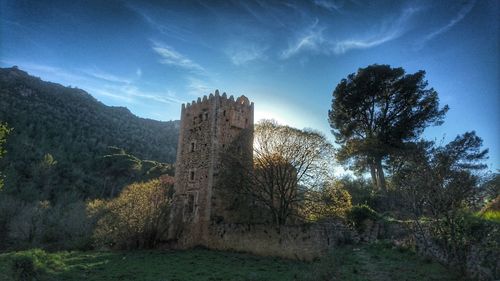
(286, 56)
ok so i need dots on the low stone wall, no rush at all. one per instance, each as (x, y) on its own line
(304, 242)
(482, 261)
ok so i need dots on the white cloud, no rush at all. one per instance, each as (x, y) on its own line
(101, 75)
(329, 5)
(309, 39)
(461, 15)
(313, 38)
(240, 54)
(387, 32)
(172, 57)
(51, 73)
(197, 87)
(132, 94)
(138, 72)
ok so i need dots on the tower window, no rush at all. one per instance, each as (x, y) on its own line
(206, 116)
(191, 175)
(224, 113)
(191, 203)
(193, 146)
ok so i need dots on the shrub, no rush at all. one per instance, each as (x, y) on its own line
(31, 264)
(492, 216)
(23, 268)
(332, 201)
(41, 224)
(358, 214)
(137, 218)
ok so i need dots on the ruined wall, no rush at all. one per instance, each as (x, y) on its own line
(302, 242)
(208, 126)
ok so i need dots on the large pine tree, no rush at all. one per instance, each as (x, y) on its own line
(377, 111)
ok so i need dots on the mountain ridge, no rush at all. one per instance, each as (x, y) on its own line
(75, 129)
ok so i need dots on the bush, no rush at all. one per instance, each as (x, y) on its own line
(23, 268)
(492, 216)
(332, 201)
(358, 214)
(137, 218)
(30, 265)
(40, 224)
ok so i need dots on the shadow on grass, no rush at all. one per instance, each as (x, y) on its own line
(375, 262)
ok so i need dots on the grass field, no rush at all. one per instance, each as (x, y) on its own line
(369, 262)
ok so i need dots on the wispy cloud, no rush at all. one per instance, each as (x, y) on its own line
(310, 39)
(197, 87)
(132, 94)
(51, 73)
(314, 39)
(111, 94)
(168, 97)
(172, 57)
(240, 54)
(331, 5)
(458, 17)
(388, 31)
(108, 77)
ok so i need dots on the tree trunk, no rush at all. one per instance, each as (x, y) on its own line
(380, 174)
(374, 175)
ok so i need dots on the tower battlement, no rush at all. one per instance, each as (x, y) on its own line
(209, 126)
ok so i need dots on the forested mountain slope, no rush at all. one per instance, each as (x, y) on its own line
(60, 137)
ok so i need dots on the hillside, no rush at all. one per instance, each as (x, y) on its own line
(61, 134)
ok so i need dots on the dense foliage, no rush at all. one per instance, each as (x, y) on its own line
(440, 184)
(4, 131)
(376, 111)
(137, 218)
(332, 200)
(60, 135)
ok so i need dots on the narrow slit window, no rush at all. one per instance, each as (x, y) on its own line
(191, 203)
(191, 175)
(193, 146)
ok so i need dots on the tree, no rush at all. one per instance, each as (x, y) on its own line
(4, 131)
(287, 161)
(331, 201)
(137, 218)
(376, 112)
(440, 184)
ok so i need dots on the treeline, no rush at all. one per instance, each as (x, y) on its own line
(60, 137)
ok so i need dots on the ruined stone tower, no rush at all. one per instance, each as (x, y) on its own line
(209, 126)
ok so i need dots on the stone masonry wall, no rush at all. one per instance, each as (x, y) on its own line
(302, 242)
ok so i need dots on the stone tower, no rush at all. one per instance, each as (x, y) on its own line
(209, 126)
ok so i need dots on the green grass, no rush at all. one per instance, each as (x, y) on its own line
(369, 262)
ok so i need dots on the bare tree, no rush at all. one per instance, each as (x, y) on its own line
(287, 163)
